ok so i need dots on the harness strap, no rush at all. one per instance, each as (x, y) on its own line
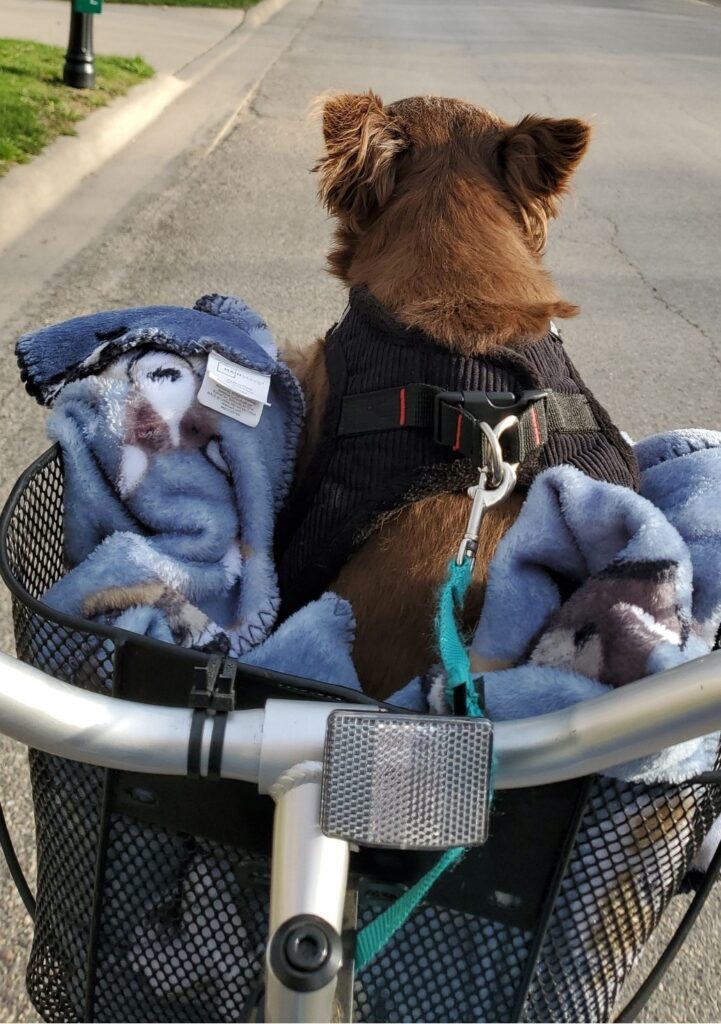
(454, 417)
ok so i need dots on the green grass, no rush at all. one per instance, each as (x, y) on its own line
(35, 106)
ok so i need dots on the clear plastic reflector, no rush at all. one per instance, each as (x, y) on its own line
(406, 781)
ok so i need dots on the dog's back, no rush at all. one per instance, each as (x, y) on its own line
(442, 210)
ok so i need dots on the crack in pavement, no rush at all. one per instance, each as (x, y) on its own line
(253, 111)
(250, 106)
(652, 288)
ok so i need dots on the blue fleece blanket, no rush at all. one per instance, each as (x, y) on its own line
(595, 586)
(170, 503)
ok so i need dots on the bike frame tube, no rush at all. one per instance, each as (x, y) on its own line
(594, 735)
(309, 876)
(60, 719)
(633, 721)
(293, 732)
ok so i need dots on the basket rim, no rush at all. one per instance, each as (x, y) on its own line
(122, 636)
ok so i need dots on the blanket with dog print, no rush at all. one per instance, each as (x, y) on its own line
(169, 502)
(595, 586)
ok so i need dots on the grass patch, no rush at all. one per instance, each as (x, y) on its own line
(237, 4)
(35, 106)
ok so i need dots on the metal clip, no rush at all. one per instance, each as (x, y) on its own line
(484, 497)
(495, 482)
(494, 466)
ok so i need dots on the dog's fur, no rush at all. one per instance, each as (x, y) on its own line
(442, 210)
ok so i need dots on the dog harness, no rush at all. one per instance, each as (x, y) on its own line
(402, 422)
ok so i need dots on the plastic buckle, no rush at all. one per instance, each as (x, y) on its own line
(212, 696)
(214, 685)
(482, 406)
(224, 694)
(204, 678)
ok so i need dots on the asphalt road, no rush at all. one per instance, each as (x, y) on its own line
(637, 245)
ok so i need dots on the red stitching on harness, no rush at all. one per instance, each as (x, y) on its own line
(402, 422)
(459, 425)
(536, 428)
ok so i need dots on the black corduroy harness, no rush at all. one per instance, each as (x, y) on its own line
(401, 423)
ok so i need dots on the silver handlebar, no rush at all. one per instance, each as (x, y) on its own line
(309, 867)
(628, 723)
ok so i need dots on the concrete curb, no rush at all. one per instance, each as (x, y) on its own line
(196, 69)
(262, 12)
(29, 191)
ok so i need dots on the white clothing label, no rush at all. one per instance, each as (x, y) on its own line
(240, 379)
(234, 390)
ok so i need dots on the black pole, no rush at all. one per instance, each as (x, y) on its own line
(79, 69)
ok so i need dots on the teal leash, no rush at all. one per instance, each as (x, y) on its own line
(454, 657)
(378, 933)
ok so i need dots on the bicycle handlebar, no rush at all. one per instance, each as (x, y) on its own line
(631, 722)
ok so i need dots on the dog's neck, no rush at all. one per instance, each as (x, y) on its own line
(459, 271)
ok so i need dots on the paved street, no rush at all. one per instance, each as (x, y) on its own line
(637, 245)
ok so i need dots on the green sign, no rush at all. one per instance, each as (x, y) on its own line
(88, 6)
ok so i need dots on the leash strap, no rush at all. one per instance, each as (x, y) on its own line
(454, 656)
(454, 417)
(378, 933)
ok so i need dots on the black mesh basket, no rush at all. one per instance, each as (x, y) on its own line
(152, 892)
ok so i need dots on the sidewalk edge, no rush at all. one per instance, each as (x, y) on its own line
(30, 191)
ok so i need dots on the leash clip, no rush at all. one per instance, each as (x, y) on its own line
(496, 462)
(484, 497)
(495, 482)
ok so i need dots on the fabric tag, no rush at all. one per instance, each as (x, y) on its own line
(235, 390)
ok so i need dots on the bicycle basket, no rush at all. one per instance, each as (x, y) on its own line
(152, 893)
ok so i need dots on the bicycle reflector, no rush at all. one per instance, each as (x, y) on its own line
(406, 781)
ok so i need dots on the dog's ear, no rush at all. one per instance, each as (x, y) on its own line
(357, 174)
(535, 160)
(538, 155)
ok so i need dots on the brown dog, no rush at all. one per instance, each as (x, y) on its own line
(442, 210)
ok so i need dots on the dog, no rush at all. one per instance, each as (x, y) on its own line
(441, 212)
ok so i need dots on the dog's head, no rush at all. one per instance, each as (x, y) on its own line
(435, 196)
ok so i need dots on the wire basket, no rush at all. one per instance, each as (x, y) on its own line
(152, 892)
